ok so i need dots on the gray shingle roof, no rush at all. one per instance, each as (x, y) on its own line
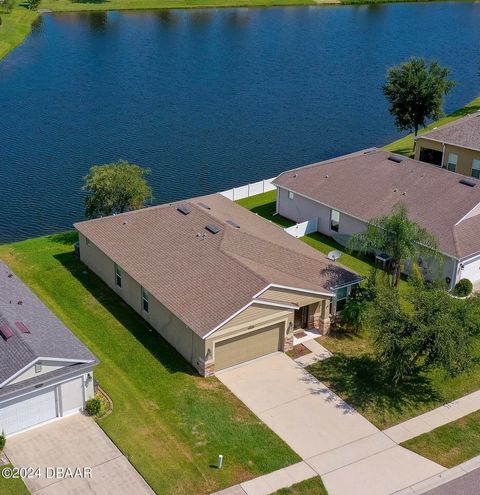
(368, 184)
(48, 337)
(464, 132)
(205, 280)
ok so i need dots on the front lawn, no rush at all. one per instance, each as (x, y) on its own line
(355, 375)
(451, 444)
(313, 486)
(167, 420)
(12, 486)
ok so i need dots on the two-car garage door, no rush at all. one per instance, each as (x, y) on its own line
(22, 413)
(247, 347)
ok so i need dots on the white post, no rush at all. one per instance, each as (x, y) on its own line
(220, 461)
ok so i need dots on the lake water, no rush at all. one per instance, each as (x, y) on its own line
(207, 99)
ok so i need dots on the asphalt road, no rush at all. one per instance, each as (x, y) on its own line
(469, 484)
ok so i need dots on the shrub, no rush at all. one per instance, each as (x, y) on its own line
(93, 406)
(463, 288)
(3, 441)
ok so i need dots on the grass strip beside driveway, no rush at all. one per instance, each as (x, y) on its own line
(450, 444)
(313, 486)
(168, 421)
(11, 486)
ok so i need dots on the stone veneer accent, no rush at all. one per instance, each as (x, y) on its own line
(288, 342)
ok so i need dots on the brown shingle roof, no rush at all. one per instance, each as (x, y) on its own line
(464, 132)
(368, 184)
(204, 281)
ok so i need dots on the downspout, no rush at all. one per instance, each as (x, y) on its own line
(443, 155)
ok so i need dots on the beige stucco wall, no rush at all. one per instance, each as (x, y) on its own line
(291, 296)
(465, 156)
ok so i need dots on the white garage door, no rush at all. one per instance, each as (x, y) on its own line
(27, 411)
(471, 271)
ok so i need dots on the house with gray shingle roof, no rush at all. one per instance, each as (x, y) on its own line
(219, 283)
(454, 146)
(346, 192)
(45, 371)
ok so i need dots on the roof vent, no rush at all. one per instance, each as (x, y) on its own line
(5, 331)
(295, 176)
(213, 228)
(467, 182)
(233, 224)
(22, 327)
(395, 158)
(203, 205)
(183, 210)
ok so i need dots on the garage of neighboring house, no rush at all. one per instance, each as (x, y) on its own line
(242, 348)
(45, 371)
(471, 269)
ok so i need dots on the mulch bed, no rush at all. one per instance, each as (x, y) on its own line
(299, 351)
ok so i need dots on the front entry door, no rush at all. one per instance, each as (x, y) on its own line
(300, 319)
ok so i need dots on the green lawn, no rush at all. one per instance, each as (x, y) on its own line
(313, 486)
(14, 28)
(451, 444)
(12, 486)
(265, 205)
(170, 422)
(404, 146)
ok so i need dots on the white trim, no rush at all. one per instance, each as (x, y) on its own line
(257, 301)
(276, 304)
(468, 212)
(62, 360)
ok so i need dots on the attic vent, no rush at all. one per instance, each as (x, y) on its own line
(22, 327)
(396, 159)
(183, 210)
(233, 224)
(467, 182)
(203, 205)
(213, 228)
(5, 331)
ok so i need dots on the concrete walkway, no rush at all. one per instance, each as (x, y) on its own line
(318, 353)
(433, 419)
(335, 441)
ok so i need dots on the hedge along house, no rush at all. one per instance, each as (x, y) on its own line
(45, 371)
(344, 193)
(454, 146)
(220, 284)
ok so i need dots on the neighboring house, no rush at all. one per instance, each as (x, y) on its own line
(344, 193)
(45, 371)
(219, 283)
(454, 146)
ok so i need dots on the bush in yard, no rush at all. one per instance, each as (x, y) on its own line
(93, 406)
(3, 441)
(463, 288)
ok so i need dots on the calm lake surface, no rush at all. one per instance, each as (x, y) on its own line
(207, 99)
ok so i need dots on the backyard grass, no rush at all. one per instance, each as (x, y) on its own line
(12, 486)
(404, 146)
(265, 205)
(313, 486)
(14, 28)
(451, 444)
(167, 420)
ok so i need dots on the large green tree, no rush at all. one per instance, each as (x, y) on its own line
(415, 91)
(115, 188)
(428, 328)
(399, 237)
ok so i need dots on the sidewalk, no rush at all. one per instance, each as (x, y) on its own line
(433, 419)
(318, 353)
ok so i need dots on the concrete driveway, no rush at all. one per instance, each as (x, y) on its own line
(351, 454)
(75, 442)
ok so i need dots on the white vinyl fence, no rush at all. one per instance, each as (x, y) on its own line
(249, 190)
(304, 228)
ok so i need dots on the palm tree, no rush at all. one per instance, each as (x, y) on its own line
(399, 237)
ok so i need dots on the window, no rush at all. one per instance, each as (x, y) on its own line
(38, 367)
(118, 276)
(145, 298)
(290, 195)
(476, 169)
(452, 162)
(334, 220)
(341, 298)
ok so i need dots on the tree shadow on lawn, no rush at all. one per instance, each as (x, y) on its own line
(362, 383)
(147, 336)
